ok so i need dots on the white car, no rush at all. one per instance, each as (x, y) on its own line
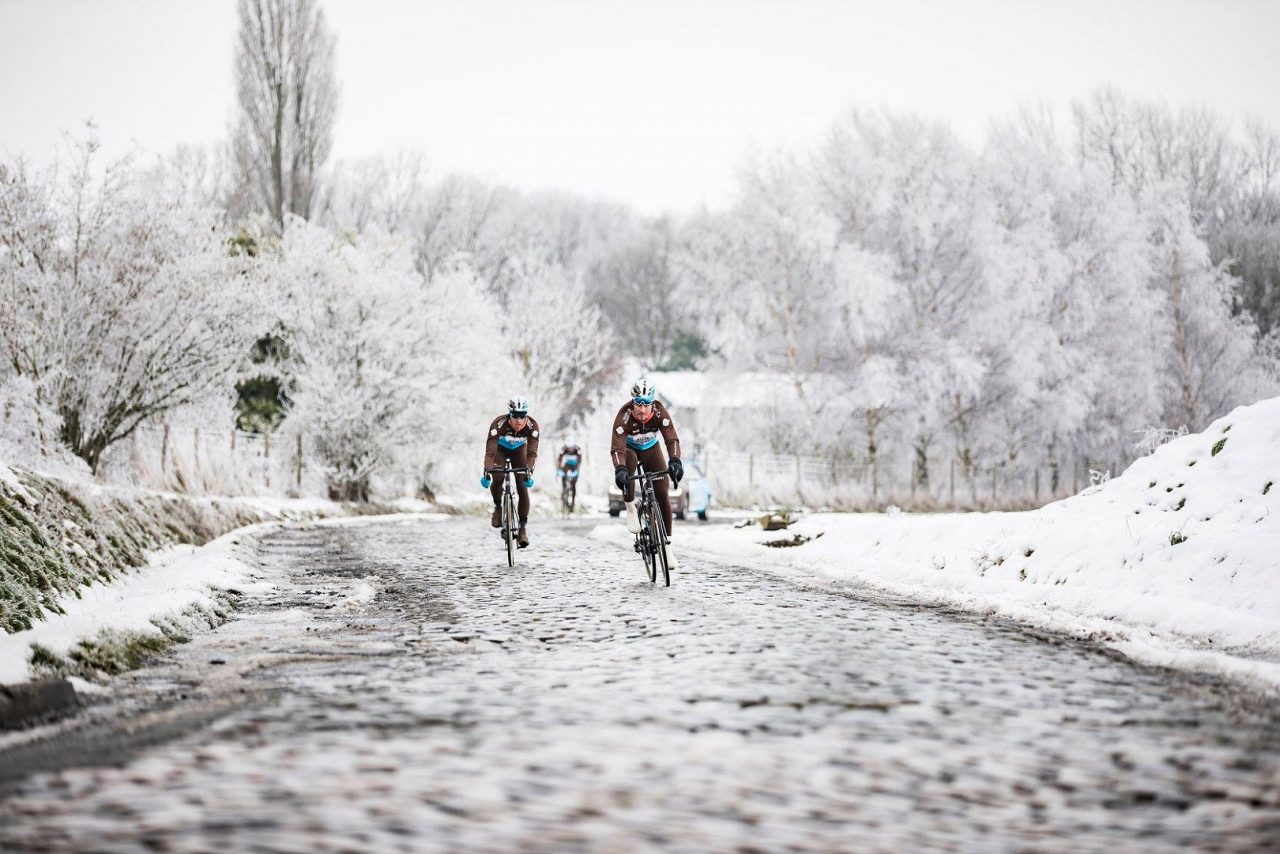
(692, 496)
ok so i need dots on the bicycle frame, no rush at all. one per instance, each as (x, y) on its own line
(509, 505)
(568, 490)
(651, 541)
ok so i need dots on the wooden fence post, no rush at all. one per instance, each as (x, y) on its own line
(164, 450)
(993, 486)
(195, 444)
(266, 458)
(1037, 487)
(297, 477)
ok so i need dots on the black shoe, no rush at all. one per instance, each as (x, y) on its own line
(522, 538)
(496, 519)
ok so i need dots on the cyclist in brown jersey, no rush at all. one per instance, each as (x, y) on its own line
(636, 430)
(513, 436)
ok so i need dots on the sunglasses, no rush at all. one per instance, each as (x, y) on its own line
(640, 401)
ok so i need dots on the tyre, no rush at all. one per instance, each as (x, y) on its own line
(702, 515)
(680, 516)
(644, 545)
(614, 513)
(658, 531)
(509, 527)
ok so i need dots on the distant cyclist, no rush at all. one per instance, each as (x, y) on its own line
(568, 467)
(636, 429)
(569, 462)
(514, 437)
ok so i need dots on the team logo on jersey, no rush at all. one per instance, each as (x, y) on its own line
(619, 431)
(535, 434)
(493, 432)
(666, 422)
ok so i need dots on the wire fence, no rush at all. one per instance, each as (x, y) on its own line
(235, 462)
(228, 462)
(748, 479)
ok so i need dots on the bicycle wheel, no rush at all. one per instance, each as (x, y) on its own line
(644, 545)
(644, 541)
(509, 525)
(573, 494)
(659, 545)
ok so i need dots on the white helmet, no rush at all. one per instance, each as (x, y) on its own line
(517, 406)
(643, 391)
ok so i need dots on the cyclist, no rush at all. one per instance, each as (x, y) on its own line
(567, 468)
(569, 460)
(636, 429)
(514, 437)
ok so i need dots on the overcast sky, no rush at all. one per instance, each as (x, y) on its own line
(649, 103)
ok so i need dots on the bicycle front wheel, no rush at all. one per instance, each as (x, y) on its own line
(509, 527)
(658, 532)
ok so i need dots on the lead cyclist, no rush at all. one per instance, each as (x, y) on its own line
(636, 430)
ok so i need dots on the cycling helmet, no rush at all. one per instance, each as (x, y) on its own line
(517, 407)
(643, 391)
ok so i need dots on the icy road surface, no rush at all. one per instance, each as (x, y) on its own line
(404, 690)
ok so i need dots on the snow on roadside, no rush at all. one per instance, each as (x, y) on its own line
(1176, 563)
(179, 577)
(173, 580)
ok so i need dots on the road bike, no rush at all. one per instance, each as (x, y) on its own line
(652, 540)
(509, 522)
(568, 491)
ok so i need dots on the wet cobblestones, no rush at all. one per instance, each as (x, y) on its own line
(410, 692)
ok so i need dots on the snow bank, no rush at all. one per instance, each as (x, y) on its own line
(173, 581)
(1178, 557)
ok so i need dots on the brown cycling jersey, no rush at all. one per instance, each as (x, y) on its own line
(503, 435)
(631, 432)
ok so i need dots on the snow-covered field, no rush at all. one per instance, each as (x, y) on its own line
(1176, 562)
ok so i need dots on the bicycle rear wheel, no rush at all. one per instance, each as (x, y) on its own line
(573, 494)
(658, 532)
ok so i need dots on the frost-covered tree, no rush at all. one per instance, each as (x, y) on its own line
(1212, 356)
(119, 299)
(382, 193)
(1068, 262)
(559, 344)
(904, 190)
(356, 356)
(636, 288)
(286, 99)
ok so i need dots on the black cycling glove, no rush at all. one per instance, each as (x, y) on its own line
(676, 469)
(620, 477)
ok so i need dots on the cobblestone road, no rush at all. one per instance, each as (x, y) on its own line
(405, 690)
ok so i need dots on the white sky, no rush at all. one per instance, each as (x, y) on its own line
(650, 103)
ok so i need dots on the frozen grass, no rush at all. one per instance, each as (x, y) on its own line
(57, 538)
